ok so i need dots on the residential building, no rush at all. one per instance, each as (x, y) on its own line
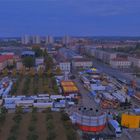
(19, 65)
(25, 40)
(28, 53)
(39, 61)
(49, 40)
(66, 40)
(102, 55)
(65, 66)
(135, 60)
(51, 49)
(122, 63)
(68, 54)
(6, 60)
(36, 39)
(81, 63)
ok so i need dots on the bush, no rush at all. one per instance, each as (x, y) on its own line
(32, 136)
(14, 128)
(17, 118)
(2, 118)
(34, 118)
(71, 135)
(64, 117)
(68, 124)
(49, 125)
(34, 110)
(49, 117)
(12, 137)
(51, 135)
(31, 127)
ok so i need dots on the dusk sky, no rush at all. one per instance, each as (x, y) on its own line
(71, 17)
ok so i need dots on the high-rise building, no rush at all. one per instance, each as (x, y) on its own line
(25, 40)
(66, 40)
(36, 39)
(49, 40)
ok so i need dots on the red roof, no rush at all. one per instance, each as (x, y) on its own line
(6, 57)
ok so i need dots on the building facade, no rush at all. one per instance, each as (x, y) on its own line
(36, 39)
(135, 61)
(6, 60)
(49, 40)
(121, 63)
(25, 40)
(81, 63)
(65, 66)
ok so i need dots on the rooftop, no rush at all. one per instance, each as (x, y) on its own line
(6, 57)
(120, 59)
(81, 59)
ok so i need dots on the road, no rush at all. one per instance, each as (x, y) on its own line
(86, 100)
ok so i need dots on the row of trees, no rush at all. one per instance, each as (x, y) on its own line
(25, 90)
(2, 115)
(70, 131)
(15, 85)
(15, 128)
(32, 135)
(51, 135)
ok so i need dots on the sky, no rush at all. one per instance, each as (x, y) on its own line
(70, 17)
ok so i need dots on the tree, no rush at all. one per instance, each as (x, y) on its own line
(13, 137)
(5, 72)
(14, 72)
(58, 71)
(32, 136)
(51, 135)
(32, 72)
(28, 61)
(55, 88)
(40, 72)
(46, 89)
(49, 124)
(45, 53)
(22, 71)
(19, 110)
(49, 72)
(38, 51)
(48, 63)
(71, 134)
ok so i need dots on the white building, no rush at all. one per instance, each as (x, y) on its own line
(65, 66)
(19, 65)
(135, 61)
(25, 40)
(39, 62)
(101, 54)
(120, 63)
(49, 40)
(81, 63)
(36, 39)
(66, 40)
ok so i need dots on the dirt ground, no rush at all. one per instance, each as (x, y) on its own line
(5, 128)
(40, 126)
(23, 131)
(60, 131)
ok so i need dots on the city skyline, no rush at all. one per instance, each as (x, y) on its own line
(74, 18)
